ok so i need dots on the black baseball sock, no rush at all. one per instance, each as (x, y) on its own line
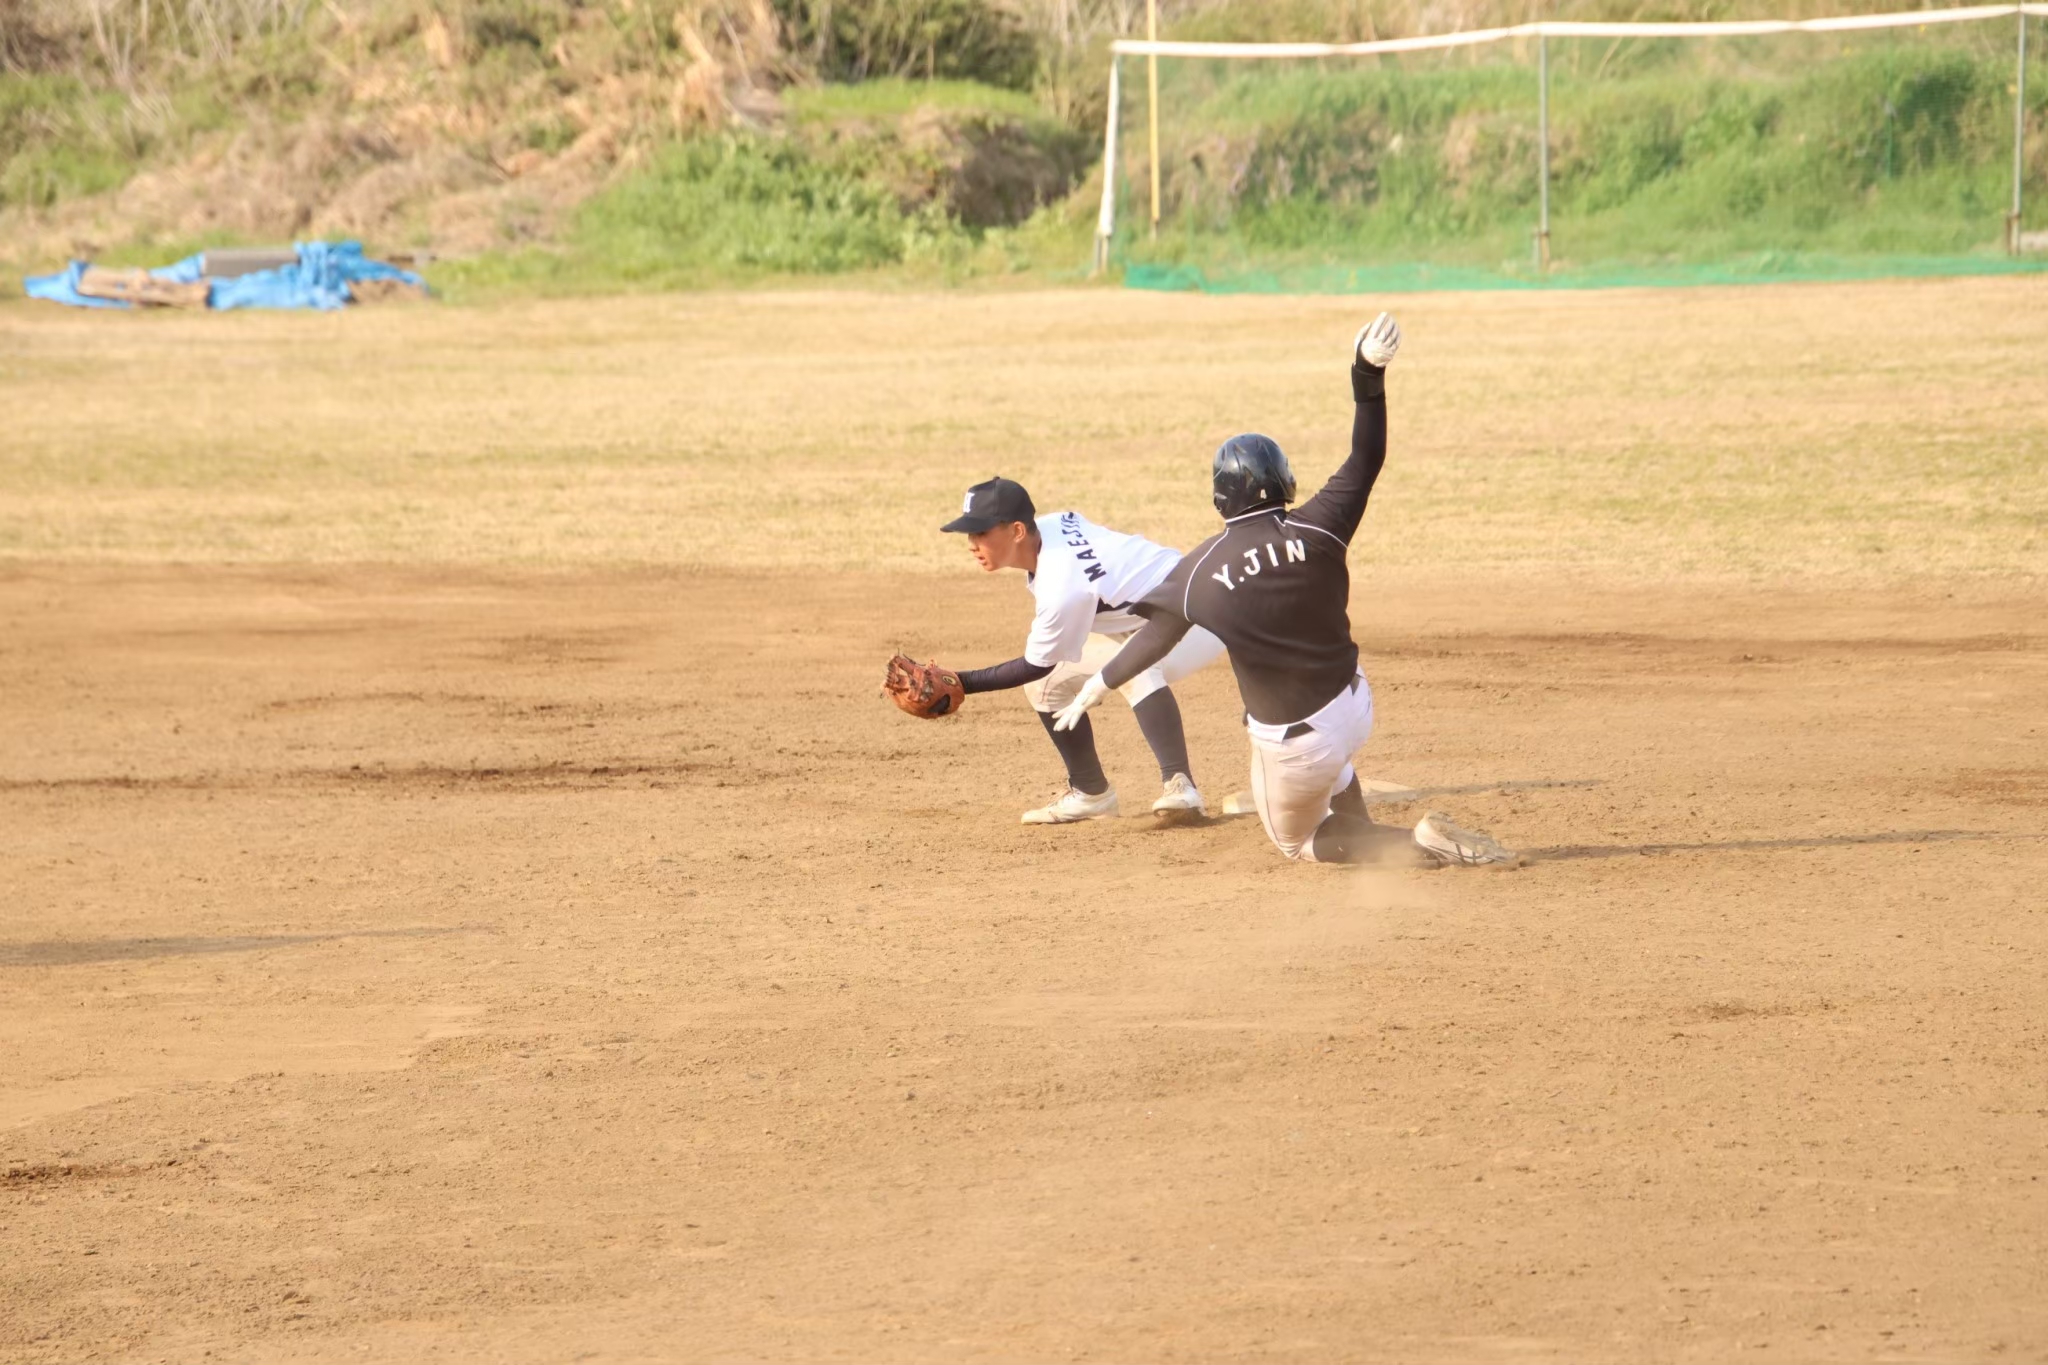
(1347, 838)
(1077, 751)
(1159, 718)
(1351, 801)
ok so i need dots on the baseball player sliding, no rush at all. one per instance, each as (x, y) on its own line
(1083, 578)
(1273, 586)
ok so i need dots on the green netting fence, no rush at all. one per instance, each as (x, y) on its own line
(1586, 155)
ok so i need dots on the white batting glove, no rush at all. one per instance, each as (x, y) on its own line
(1377, 341)
(1092, 691)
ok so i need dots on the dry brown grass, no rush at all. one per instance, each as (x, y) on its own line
(1867, 433)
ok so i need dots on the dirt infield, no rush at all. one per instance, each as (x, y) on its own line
(464, 899)
(449, 964)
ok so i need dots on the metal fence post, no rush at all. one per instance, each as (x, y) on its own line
(1152, 101)
(2019, 142)
(1543, 150)
(1105, 222)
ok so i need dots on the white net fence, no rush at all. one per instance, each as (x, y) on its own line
(1585, 153)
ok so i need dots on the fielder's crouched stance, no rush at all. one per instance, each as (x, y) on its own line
(1084, 578)
(1273, 586)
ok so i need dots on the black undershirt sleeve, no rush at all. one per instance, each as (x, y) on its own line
(1340, 505)
(1000, 677)
(1162, 631)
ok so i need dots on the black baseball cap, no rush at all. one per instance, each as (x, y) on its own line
(989, 505)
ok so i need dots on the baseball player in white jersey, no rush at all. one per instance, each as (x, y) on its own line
(1273, 584)
(1083, 578)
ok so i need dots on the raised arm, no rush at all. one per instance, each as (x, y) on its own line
(1340, 505)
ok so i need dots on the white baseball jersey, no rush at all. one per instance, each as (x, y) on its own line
(1087, 577)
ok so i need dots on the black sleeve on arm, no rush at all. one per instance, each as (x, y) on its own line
(1341, 503)
(1161, 632)
(1000, 677)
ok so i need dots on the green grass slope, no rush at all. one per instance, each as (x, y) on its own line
(549, 146)
(930, 181)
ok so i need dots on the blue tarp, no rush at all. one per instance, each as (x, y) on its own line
(319, 280)
(62, 287)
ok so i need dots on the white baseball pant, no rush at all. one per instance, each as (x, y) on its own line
(1196, 650)
(1294, 779)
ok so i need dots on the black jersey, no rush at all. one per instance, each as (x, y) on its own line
(1274, 587)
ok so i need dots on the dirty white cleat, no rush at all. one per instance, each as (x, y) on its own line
(1453, 846)
(1073, 806)
(1179, 797)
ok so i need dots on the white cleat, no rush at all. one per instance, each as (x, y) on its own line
(1179, 798)
(1074, 806)
(1453, 846)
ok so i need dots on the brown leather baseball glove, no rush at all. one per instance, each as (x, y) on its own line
(924, 690)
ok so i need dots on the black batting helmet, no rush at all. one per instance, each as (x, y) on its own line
(1250, 471)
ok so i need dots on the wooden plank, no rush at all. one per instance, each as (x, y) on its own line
(383, 291)
(139, 286)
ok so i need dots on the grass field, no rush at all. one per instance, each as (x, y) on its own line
(466, 900)
(1869, 433)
